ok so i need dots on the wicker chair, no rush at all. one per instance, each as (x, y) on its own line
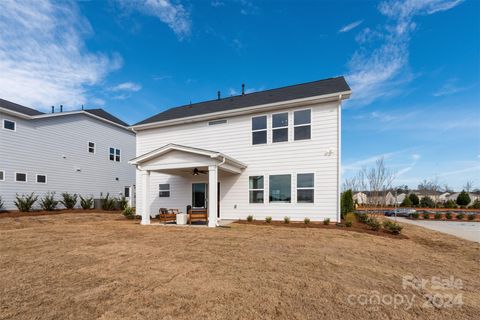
(166, 215)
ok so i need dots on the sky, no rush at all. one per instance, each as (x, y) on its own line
(413, 66)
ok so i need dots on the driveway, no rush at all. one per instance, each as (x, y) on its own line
(465, 230)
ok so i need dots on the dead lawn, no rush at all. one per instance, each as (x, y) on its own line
(94, 265)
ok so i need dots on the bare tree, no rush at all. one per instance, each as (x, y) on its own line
(377, 181)
(446, 188)
(468, 186)
(351, 184)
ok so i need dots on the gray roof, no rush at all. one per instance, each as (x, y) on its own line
(32, 112)
(304, 90)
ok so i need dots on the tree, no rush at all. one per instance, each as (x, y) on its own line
(468, 186)
(450, 204)
(346, 203)
(427, 202)
(406, 202)
(377, 181)
(414, 199)
(463, 199)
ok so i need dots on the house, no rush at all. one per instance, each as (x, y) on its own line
(270, 153)
(84, 152)
(360, 198)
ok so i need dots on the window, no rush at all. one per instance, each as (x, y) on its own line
(2, 175)
(91, 147)
(305, 187)
(114, 154)
(215, 122)
(164, 190)
(9, 125)
(41, 178)
(259, 130)
(280, 188)
(255, 189)
(302, 124)
(20, 177)
(280, 127)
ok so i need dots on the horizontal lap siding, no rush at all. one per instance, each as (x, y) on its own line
(234, 139)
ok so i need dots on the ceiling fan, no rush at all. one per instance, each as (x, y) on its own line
(196, 172)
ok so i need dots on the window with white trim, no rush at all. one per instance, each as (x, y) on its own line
(114, 154)
(20, 177)
(255, 189)
(91, 147)
(9, 125)
(2, 175)
(41, 178)
(302, 125)
(259, 130)
(305, 187)
(280, 127)
(280, 188)
(164, 190)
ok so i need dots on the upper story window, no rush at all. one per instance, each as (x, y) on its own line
(41, 178)
(9, 125)
(20, 177)
(215, 122)
(91, 147)
(255, 189)
(305, 187)
(259, 130)
(280, 127)
(114, 154)
(164, 190)
(302, 124)
(280, 188)
(2, 175)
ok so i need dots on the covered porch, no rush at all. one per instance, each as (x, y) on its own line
(193, 171)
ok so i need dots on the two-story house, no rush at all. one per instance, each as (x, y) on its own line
(271, 153)
(84, 152)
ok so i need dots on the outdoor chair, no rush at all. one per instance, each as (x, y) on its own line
(167, 215)
(197, 215)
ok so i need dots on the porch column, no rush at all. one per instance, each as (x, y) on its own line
(212, 195)
(145, 197)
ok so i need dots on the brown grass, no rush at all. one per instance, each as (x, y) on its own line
(94, 265)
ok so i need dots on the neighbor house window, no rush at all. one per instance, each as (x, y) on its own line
(20, 177)
(2, 175)
(41, 178)
(259, 130)
(280, 127)
(280, 188)
(164, 190)
(255, 189)
(91, 147)
(215, 122)
(305, 187)
(9, 125)
(115, 154)
(302, 124)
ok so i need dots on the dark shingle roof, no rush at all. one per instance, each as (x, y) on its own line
(107, 116)
(304, 90)
(18, 108)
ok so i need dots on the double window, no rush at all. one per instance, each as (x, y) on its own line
(115, 154)
(41, 178)
(259, 130)
(280, 127)
(9, 125)
(305, 187)
(280, 188)
(91, 147)
(302, 124)
(164, 190)
(255, 189)
(20, 177)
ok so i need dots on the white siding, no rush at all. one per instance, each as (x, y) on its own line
(58, 148)
(318, 156)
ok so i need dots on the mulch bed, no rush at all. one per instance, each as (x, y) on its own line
(356, 227)
(16, 214)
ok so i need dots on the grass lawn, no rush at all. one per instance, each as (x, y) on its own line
(94, 265)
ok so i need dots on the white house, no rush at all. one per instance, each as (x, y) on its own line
(84, 152)
(270, 153)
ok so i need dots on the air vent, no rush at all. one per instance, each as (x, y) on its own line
(215, 122)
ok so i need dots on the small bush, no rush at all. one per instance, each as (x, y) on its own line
(463, 199)
(24, 203)
(427, 202)
(122, 202)
(108, 203)
(350, 217)
(362, 217)
(268, 219)
(476, 204)
(471, 216)
(250, 218)
(426, 215)
(128, 212)
(86, 203)
(348, 223)
(306, 220)
(460, 216)
(48, 202)
(438, 216)
(1, 203)
(448, 215)
(392, 227)
(69, 200)
(374, 224)
(450, 204)
(415, 215)
(326, 221)
(286, 219)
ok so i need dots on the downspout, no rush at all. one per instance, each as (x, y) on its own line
(218, 166)
(339, 155)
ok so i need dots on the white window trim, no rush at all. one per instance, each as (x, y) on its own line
(114, 154)
(41, 174)
(14, 122)
(26, 177)
(169, 190)
(304, 188)
(283, 127)
(94, 147)
(301, 125)
(259, 130)
(3, 179)
(263, 190)
(291, 190)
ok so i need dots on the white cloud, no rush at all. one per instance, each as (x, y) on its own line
(217, 4)
(378, 69)
(350, 26)
(126, 86)
(43, 58)
(450, 87)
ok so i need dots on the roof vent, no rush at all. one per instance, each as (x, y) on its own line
(53, 109)
(61, 108)
(218, 95)
(243, 89)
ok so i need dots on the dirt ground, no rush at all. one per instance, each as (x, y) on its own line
(100, 266)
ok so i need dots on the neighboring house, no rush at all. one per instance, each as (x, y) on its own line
(270, 153)
(84, 152)
(473, 197)
(360, 198)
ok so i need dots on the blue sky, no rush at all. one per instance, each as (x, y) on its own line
(413, 66)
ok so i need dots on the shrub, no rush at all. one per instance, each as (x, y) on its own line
(406, 202)
(414, 199)
(450, 204)
(250, 218)
(471, 216)
(448, 215)
(427, 202)
(86, 203)
(415, 215)
(460, 216)
(1, 203)
(286, 219)
(24, 203)
(48, 202)
(348, 223)
(438, 216)
(350, 217)
(128, 212)
(392, 227)
(426, 215)
(476, 204)
(346, 203)
(306, 220)
(108, 203)
(374, 224)
(362, 217)
(268, 219)
(69, 200)
(122, 203)
(463, 199)
(326, 221)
